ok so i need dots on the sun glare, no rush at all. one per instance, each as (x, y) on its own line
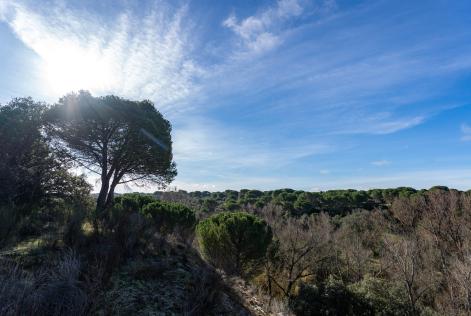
(70, 68)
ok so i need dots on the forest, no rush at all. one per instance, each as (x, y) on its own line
(67, 251)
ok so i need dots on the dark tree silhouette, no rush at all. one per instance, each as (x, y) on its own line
(118, 139)
(32, 178)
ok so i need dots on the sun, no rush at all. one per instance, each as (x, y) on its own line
(70, 67)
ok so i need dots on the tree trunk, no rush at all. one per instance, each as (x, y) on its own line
(101, 201)
(110, 195)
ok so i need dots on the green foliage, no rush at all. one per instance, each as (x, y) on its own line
(332, 202)
(164, 217)
(231, 195)
(37, 193)
(30, 173)
(234, 241)
(23, 157)
(209, 204)
(171, 217)
(384, 297)
(118, 139)
(231, 205)
(134, 201)
(330, 298)
(304, 203)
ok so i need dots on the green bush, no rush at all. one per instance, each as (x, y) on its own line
(385, 297)
(235, 241)
(125, 205)
(231, 205)
(134, 201)
(134, 218)
(171, 218)
(329, 298)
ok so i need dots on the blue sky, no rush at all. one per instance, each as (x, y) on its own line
(310, 95)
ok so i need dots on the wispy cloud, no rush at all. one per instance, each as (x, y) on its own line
(465, 132)
(381, 163)
(284, 84)
(146, 56)
(260, 32)
(382, 125)
(268, 28)
(207, 142)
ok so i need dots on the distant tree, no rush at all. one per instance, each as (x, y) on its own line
(234, 241)
(119, 140)
(231, 205)
(303, 203)
(231, 195)
(209, 204)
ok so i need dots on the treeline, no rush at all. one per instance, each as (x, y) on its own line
(297, 202)
(410, 256)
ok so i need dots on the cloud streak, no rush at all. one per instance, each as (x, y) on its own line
(137, 57)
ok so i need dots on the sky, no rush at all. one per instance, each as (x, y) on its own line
(311, 95)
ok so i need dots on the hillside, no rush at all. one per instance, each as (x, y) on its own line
(64, 251)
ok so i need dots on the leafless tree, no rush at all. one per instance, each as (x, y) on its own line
(301, 245)
(410, 262)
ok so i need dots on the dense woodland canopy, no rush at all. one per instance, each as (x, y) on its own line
(65, 251)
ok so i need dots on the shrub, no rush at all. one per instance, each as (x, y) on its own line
(171, 218)
(124, 206)
(234, 241)
(134, 201)
(330, 298)
(385, 297)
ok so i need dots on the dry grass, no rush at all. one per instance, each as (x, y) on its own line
(53, 290)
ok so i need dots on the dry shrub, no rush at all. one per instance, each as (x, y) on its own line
(54, 290)
(205, 293)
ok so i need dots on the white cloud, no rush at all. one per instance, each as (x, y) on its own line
(381, 163)
(324, 171)
(261, 32)
(137, 57)
(389, 127)
(381, 125)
